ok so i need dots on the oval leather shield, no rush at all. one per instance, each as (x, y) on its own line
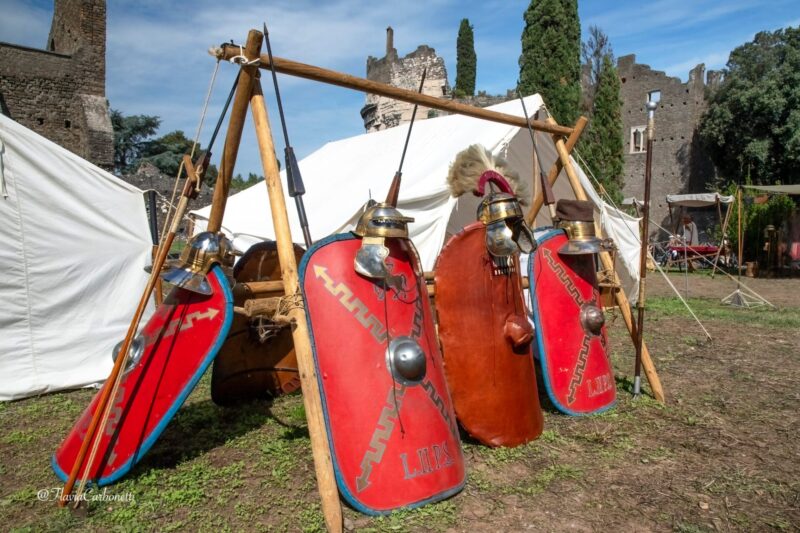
(393, 435)
(571, 337)
(486, 342)
(257, 359)
(180, 341)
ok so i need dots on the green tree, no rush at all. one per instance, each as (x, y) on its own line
(602, 144)
(752, 125)
(238, 183)
(466, 60)
(550, 60)
(166, 153)
(130, 137)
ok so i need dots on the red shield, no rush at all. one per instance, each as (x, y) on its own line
(486, 341)
(393, 445)
(180, 341)
(577, 373)
(257, 359)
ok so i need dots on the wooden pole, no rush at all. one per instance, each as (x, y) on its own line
(555, 170)
(644, 237)
(740, 234)
(310, 72)
(608, 264)
(108, 392)
(233, 137)
(722, 244)
(326, 482)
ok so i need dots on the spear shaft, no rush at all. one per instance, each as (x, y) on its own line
(394, 189)
(640, 303)
(294, 180)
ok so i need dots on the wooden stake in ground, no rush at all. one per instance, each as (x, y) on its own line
(326, 481)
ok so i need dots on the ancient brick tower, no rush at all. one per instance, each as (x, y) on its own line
(380, 113)
(60, 92)
(680, 164)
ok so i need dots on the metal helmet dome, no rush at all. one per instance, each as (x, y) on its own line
(382, 220)
(205, 250)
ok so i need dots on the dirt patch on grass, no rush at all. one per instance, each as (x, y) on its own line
(721, 455)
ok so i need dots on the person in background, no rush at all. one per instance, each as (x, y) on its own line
(690, 234)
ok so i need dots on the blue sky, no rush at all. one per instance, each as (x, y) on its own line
(157, 62)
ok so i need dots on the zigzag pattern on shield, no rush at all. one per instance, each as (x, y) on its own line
(385, 435)
(180, 341)
(570, 347)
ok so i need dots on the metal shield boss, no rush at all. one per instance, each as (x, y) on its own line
(571, 341)
(166, 361)
(485, 338)
(392, 431)
(258, 358)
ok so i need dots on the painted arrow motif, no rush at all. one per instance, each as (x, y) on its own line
(188, 321)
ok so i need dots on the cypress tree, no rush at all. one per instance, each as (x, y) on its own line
(466, 60)
(551, 56)
(602, 144)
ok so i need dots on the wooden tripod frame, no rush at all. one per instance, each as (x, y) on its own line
(250, 91)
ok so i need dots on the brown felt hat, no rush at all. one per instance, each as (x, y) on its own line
(575, 210)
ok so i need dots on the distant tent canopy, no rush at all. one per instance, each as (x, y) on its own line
(75, 243)
(785, 189)
(697, 200)
(342, 175)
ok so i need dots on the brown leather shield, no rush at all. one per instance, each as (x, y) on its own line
(486, 342)
(257, 359)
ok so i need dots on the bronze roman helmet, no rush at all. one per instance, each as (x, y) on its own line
(378, 222)
(576, 217)
(501, 206)
(203, 251)
(506, 230)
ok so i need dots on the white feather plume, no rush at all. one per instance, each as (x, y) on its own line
(466, 169)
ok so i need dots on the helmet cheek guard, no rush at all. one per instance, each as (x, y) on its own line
(380, 221)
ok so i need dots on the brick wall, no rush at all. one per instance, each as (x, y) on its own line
(60, 92)
(679, 162)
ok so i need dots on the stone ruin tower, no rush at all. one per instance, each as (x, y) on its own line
(60, 92)
(680, 164)
(380, 113)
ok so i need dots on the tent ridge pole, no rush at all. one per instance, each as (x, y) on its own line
(302, 70)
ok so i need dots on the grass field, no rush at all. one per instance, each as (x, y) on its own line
(721, 455)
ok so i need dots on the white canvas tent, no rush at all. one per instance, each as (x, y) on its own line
(698, 200)
(340, 177)
(75, 242)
